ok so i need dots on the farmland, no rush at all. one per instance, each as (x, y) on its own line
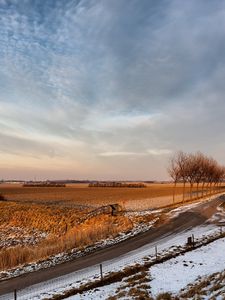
(37, 222)
(155, 195)
(125, 259)
(30, 232)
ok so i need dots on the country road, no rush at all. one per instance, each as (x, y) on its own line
(194, 216)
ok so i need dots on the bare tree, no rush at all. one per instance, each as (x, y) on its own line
(222, 176)
(200, 160)
(194, 169)
(210, 170)
(178, 167)
(174, 172)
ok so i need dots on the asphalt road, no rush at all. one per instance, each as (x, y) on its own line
(196, 216)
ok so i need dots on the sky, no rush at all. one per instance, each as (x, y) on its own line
(109, 89)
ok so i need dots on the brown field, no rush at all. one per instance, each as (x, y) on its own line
(56, 217)
(81, 194)
(153, 196)
(30, 231)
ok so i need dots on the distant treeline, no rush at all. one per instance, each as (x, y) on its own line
(61, 181)
(43, 184)
(117, 184)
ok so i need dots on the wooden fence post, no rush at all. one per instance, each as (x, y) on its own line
(101, 272)
(156, 252)
(193, 240)
(15, 295)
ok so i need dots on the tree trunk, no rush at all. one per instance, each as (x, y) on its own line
(203, 185)
(190, 191)
(207, 191)
(214, 188)
(174, 191)
(210, 189)
(183, 190)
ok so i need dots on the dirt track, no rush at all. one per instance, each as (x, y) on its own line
(188, 219)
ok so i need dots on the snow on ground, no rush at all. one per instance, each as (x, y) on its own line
(172, 276)
(11, 236)
(207, 287)
(177, 273)
(98, 293)
(218, 217)
(166, 244)
(63, 283)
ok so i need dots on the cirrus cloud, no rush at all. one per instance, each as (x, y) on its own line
(84, 83)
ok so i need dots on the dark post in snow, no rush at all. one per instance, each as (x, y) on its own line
(15, 295)
(156, 252)
(101, 273)
(193, 240)
(189, 241)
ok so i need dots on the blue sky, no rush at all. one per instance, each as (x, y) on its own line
(109, 89)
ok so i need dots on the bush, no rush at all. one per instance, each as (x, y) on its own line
(2, 198)
(164, 296)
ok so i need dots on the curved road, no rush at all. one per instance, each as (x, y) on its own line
(192, 217)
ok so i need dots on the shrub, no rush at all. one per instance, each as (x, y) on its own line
(2, 198)
(164, 296)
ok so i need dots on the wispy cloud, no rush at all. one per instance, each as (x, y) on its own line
(127, 153)
(86, 80)
(106, 121)
(120, 153)
(159, 151)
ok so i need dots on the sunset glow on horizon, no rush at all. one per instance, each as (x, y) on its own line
(109, 89)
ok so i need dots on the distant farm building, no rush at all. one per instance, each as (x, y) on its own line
(43, 184)
(117, 184)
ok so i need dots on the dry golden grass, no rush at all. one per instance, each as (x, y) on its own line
(87, 233)
(55, 212)
(63, 223)
(53, 219)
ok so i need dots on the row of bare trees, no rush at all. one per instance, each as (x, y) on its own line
(196, 169)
